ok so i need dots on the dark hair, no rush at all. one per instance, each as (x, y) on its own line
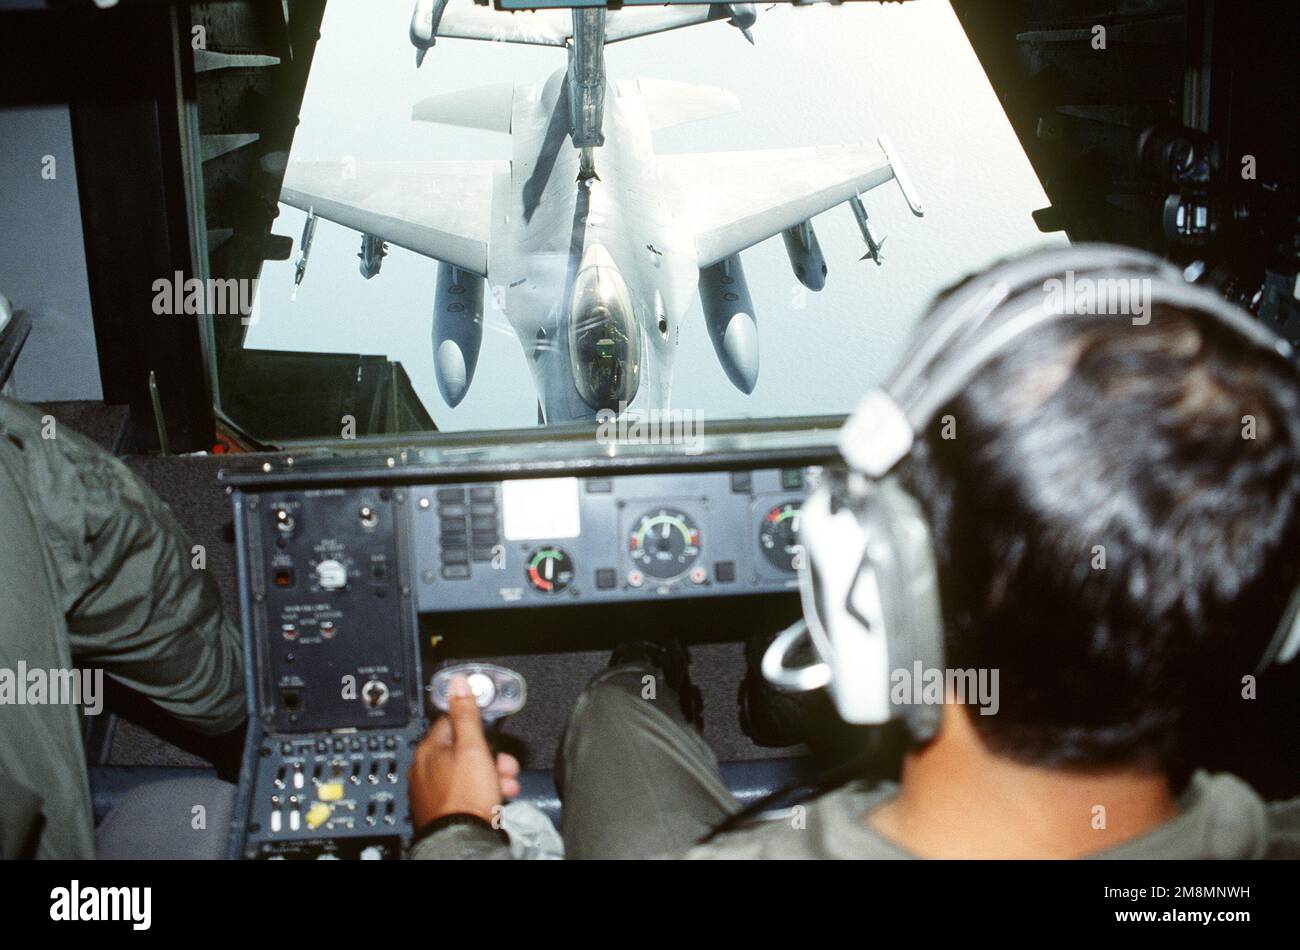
(1097, 438)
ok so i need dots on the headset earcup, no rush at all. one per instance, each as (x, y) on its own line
(1286, 641)
(900, 552)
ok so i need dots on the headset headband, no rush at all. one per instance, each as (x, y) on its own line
(986, 317)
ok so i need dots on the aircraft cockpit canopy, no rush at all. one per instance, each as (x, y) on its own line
(604, 341)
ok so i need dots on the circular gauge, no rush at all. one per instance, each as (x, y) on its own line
(665, 542)
(549, 570)
(778, 536)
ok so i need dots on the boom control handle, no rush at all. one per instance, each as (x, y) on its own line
(499, 692)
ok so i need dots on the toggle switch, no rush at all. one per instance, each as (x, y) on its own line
(374, 693)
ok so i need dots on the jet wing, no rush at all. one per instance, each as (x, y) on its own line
(470, 21)
(629, 22)
(734, 200)
(442, 210)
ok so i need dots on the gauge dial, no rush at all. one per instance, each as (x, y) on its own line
(778, 536)
(665, 542)
(549, 570)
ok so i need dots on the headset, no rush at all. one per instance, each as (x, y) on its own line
(867, 577)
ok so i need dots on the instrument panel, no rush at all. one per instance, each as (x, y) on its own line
(539, 542)
(324, 569)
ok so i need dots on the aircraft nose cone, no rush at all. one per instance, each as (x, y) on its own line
(452, 372)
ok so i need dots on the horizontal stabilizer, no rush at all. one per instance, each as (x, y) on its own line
(673, 103)
(484, 107)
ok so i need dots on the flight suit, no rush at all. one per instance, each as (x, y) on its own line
(94, 572)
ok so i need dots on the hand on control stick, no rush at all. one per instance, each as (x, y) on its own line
(454, 771)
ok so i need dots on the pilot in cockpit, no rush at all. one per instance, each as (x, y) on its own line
(1094, 513)
(604, 344)
(605, 369)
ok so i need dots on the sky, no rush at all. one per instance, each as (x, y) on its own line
(818, 75)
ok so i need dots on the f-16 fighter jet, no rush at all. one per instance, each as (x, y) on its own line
(595, 253)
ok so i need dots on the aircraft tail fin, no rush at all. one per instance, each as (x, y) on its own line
(673, 103)
(484, 107)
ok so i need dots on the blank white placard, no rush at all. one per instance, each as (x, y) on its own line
(540, 508)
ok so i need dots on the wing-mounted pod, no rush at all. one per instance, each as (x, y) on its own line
(424, 26)
(805, 253)
(457, 330)
(373, 251)
(304, 251)
(743, 18)
(900, 175)
(875, 241)
(729, 317)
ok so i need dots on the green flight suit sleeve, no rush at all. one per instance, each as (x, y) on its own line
(136, 600)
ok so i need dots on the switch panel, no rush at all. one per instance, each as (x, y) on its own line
(334, 620)
(331, 795)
